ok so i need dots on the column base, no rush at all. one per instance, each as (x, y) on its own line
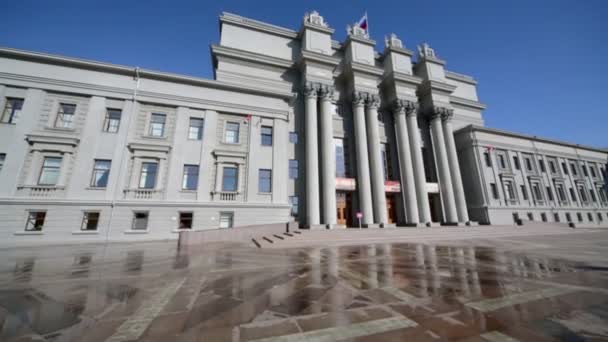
(388, 225)
(472, 223)
(370, 225)
(316, 226)
(452, 224)
(432, 224)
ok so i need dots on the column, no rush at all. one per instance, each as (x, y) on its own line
(408, 187)
(218, 176)
(328, 151)
(443, 168)
(363, 181)
(424, 211)
(461, 203)
(377, 170)
(66, 165)
(312, 157)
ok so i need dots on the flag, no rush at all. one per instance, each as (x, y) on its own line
(363, 22)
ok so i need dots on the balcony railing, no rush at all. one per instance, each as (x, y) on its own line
(143, 193)
(40, 190)
(226, 196)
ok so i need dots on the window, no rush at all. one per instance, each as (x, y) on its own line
(112, 120)
(486, 157)
(502, 163)
(157, 125)
(232, 133)
(590, 217)
(147, 176)
(530, 216)
(561, 193)
(582, 193)
(90, 219)
(543, 217)
(509, 191)
(538, 195)
(49, 175)
(226, 219)
(2, 159)
(65, 116)
(494, 190)
(293, 137)
(528, 164)
(35, 221)
(572, 195)
(541, 163)
(564, 168)
(602, 194)
(293, 200)
(190, 177)
(386, 161)
(230, 179)
(265, 181)
(592, 193)
(516, 163)
(599, 217)
(524, 193)
(568, 217)
(592, 170)
(584, 168)
(293, 169)
(549, 194)
(573, 168)
(556, 217)
(101, 173)
(195, 130)
(266, 136)
(140, 220)
(185, 220)
(579, 217)
(12, 110)
(341, 157)
(552, 166)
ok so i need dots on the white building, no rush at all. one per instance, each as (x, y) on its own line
(295, 126)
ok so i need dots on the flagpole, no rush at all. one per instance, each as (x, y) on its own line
(367, 21)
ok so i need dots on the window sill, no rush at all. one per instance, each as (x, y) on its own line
(136, 231)
(95, 188)
(153, 137)
(188, 191)
(85, 232)
(61, 129)
(28, 233)
(264, 193)
(231, 143)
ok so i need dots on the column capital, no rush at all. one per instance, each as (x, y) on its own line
(442, 113)
(359, 98)
(404, 106)
(310, 90)
(326, 92)
(373, 101)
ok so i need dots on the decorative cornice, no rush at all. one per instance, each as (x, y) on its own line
(364, 68)
(313, 56)
(460, 77)
(238, 20)
(52, 139)
(219, 50)
(148, 147)
(396, 76)
(467, 103)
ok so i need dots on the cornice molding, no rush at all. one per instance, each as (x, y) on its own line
(52, 139)
(134, 203)
(362, 40)
(227, 17)
(430, 85)
(460, 77)
(140, 146)
(251, 56)
(312, 56)
(399, 77)
(394, 49)
(309, 26)
(467, 103)
(227, 153)
(432, 60)
(364, 68)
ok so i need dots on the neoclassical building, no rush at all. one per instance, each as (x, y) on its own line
(294, 126)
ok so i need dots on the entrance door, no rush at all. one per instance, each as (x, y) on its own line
(343, 207)
(391, 207)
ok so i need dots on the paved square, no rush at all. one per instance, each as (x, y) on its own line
(518, 288)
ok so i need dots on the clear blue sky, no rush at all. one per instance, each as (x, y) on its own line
(542, 66)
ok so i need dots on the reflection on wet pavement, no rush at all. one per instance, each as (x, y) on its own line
(386, 292)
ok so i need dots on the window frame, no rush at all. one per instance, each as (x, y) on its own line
(86, 220)
(108, 127)
(263, 175)
(44, 169)
(30, 219)
(141, 175)
(11, 117)
(186, 175)
(294, 210)
(494, 191)
(96, 170)
(200, 128)
(181, 220)
(236, 178)
(61, 114)
(265, 136)
(237, 134)
(230, 215)
(293, 137)
(133, 221)
(2, 160)
(294, 169)
(152, 128)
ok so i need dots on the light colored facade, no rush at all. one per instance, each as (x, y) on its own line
(295, 126)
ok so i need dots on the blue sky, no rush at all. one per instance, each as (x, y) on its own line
(541, 65)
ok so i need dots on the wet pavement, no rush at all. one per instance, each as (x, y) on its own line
(526, 289)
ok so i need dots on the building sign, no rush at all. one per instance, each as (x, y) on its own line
(432, 188)
(346, 184)
(392, 186)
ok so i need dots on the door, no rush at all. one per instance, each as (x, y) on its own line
(343, 209)
(391, 207)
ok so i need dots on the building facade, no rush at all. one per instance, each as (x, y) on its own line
(294, 126)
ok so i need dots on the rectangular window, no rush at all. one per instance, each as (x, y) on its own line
(502, 163)
(556, 217)
(341, 157)
(572, 195)
(549, 194)
(516, 162)
(602, 194)
(190, 177)
(90, 220)
(590, 217)
(528, 164)
(65, 116)
(157, 124)
(592, 193)
(112, 121)
(147, 176)
(2, 159)
(195, 130)
(293, 169)
(185, 220)
(494, 190)
(232, 133)
(266, 136)
(541, 163)
(538, 195)
(564, 168)
(140, 220)
(543, 217)
(265, 181)
(573, 168)
(226, 219)
(509, 191)
(579, 216)
(12, 110)
(530, 216)
(486, 157)
(585, 170)
(599, 217)
(568, 217)
(583, 194)
(293, 200)
(293, 137)
(101, 173)
(230, 179)
(49, 174)
(560, 193)
(592, 170)
(35, 221)
(386, 161)
(524, 193)
(552, 166)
